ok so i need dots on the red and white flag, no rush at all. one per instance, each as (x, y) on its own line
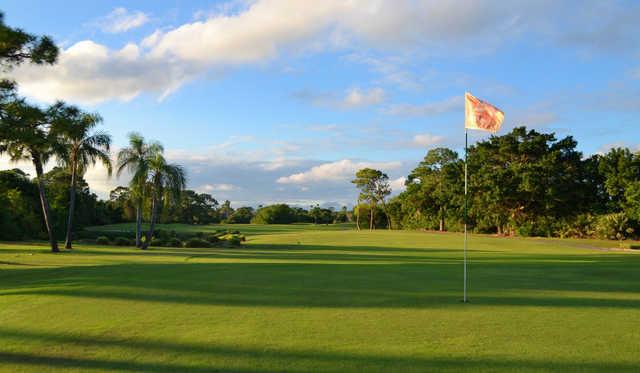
(480, 115)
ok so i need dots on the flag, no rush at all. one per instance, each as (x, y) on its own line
(480, 115)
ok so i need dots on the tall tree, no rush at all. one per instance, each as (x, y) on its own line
(80, 148)
(167, 182)
(25, 135)
(17, 46)
(438, 178)
(136, 160)
(374, 187)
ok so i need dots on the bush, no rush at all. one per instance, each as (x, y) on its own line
(103, 240)
(234, 241)
(173, 242)
(197, 242)
(122, 241)
(634, 247)
(157, 242)
(614, 227)
(213, 238)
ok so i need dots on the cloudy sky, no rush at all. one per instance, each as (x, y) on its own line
(282, 100)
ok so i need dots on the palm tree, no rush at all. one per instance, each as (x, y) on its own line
(167, 182)
(135, 159)
(80, 148)
(26, 136)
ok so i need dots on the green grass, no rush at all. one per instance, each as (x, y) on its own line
(318, 299)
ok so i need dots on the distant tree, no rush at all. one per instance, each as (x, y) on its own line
(523, 175)
(619, 168)
(19, 206)
(241, 215)
(79, 148)
(136, 159)
(438, 178)
(374, 187)
(225, 210)
(275, 214)
(122, 199)
(167, 182)
(315, 212)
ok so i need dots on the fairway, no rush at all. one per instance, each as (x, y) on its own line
(305, 298)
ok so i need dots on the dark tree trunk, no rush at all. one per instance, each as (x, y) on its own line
(384, 209)
(45, 205)
(154, 216)
(72, 206)
(371, 213)
(139, 223)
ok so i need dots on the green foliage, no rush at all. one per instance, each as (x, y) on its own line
(242, 215)
(17, 46)
(173, 242)
(197, 243)
(122, 241)
(103, 240)
(524, 182)
(374, 188)
(157, 242)
(614, 226)
(275, 214)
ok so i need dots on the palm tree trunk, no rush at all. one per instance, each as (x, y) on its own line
(72, 206)
(154, 216)
(45, 205)
(139, 222)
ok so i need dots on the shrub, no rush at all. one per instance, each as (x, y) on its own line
(614, 227)
(102, 240)
(174, 242)
(634, 247)
(213, 238)
(122, 241)
(197, 242)
(234, 241)
(157, 242)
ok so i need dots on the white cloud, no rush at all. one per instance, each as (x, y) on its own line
(455, 103)
(357, 98)
(217, 187)
(423, 140)
(338, 171)
(256, 32)
(351, 99)
(390, 69)
(397, 185)
(121, 20)
(90, 73)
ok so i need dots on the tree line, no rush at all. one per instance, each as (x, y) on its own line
(524, 183)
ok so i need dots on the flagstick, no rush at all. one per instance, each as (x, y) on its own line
(466, 144)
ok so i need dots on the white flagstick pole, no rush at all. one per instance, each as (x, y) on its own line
(466, 142)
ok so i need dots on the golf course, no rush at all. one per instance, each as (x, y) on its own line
(322, 298)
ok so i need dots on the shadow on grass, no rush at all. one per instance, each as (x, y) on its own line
(423, 284)
(213, 357)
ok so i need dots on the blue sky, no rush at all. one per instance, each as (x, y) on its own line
(282, 100)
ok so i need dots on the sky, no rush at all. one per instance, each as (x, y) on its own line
(271, 101)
